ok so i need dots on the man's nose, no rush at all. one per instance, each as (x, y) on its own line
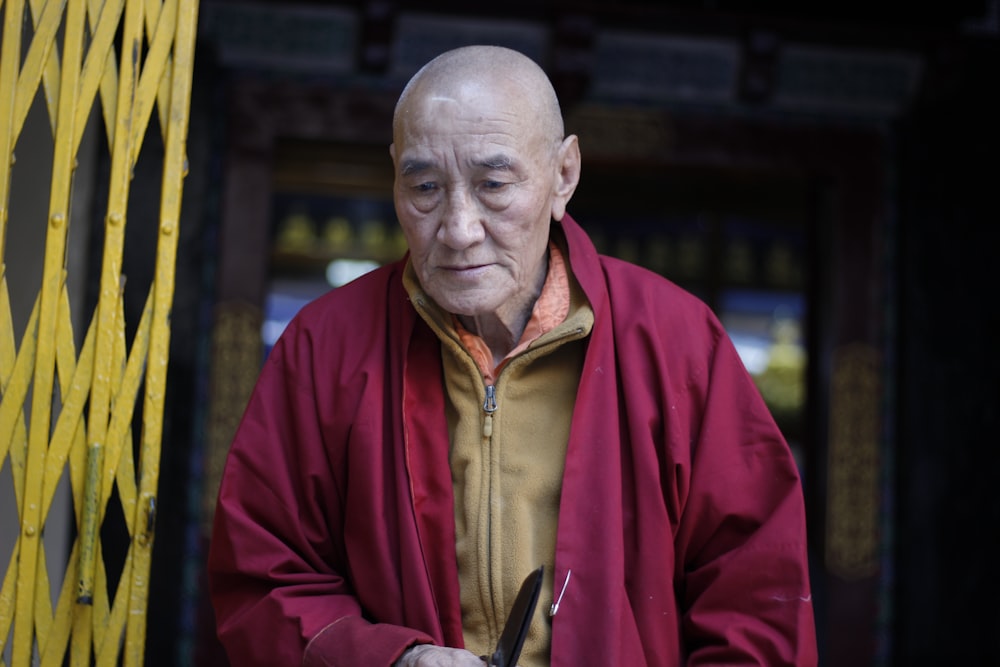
(461, 224)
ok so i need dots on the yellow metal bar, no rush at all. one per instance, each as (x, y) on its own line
(53, 652)
(43, 599)
(99, 69)
(119, 466)
(53, 634)
(126, 388)
(54, 462)
(15, 374)
(108, 646)
(125, 479)
(74, 385)
(35, 62)
(43, 619)
(7, 599)
(155, 11)
(184, 22)
(68, 611)
(15, 379)
(50, 75)
(109, 82)
(174, 171)
(32, 520)
(10, 59)
(110, 622)
(79, 614)
(100, 610)
(157, 58)
(107, 307)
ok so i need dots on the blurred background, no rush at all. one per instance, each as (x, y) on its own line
(823, 175)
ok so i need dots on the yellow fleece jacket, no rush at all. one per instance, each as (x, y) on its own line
(507, 465)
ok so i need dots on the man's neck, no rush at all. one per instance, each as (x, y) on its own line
(500, 335)
(502, 330)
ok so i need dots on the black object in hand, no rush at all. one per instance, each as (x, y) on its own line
(508, 648)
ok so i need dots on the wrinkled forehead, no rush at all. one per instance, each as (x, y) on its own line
(469, 107)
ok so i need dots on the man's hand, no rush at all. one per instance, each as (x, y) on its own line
(427, 655)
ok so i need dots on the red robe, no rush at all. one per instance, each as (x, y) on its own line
(681, 518)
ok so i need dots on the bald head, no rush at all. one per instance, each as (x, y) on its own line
(476, 70)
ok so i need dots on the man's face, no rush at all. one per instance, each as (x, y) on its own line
(474, 193)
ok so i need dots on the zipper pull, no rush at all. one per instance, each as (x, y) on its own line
(489, 407)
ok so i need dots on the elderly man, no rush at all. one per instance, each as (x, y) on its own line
(503, 398)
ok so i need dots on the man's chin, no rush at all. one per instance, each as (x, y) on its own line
(467, 302)
(467, 311)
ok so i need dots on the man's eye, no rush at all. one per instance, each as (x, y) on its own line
(425, 187)
(493, 185)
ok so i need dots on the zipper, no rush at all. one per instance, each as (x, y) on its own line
(489, 407)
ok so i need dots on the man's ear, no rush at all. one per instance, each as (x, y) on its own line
(567, 176)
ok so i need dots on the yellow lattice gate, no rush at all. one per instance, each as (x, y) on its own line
(67, 410)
